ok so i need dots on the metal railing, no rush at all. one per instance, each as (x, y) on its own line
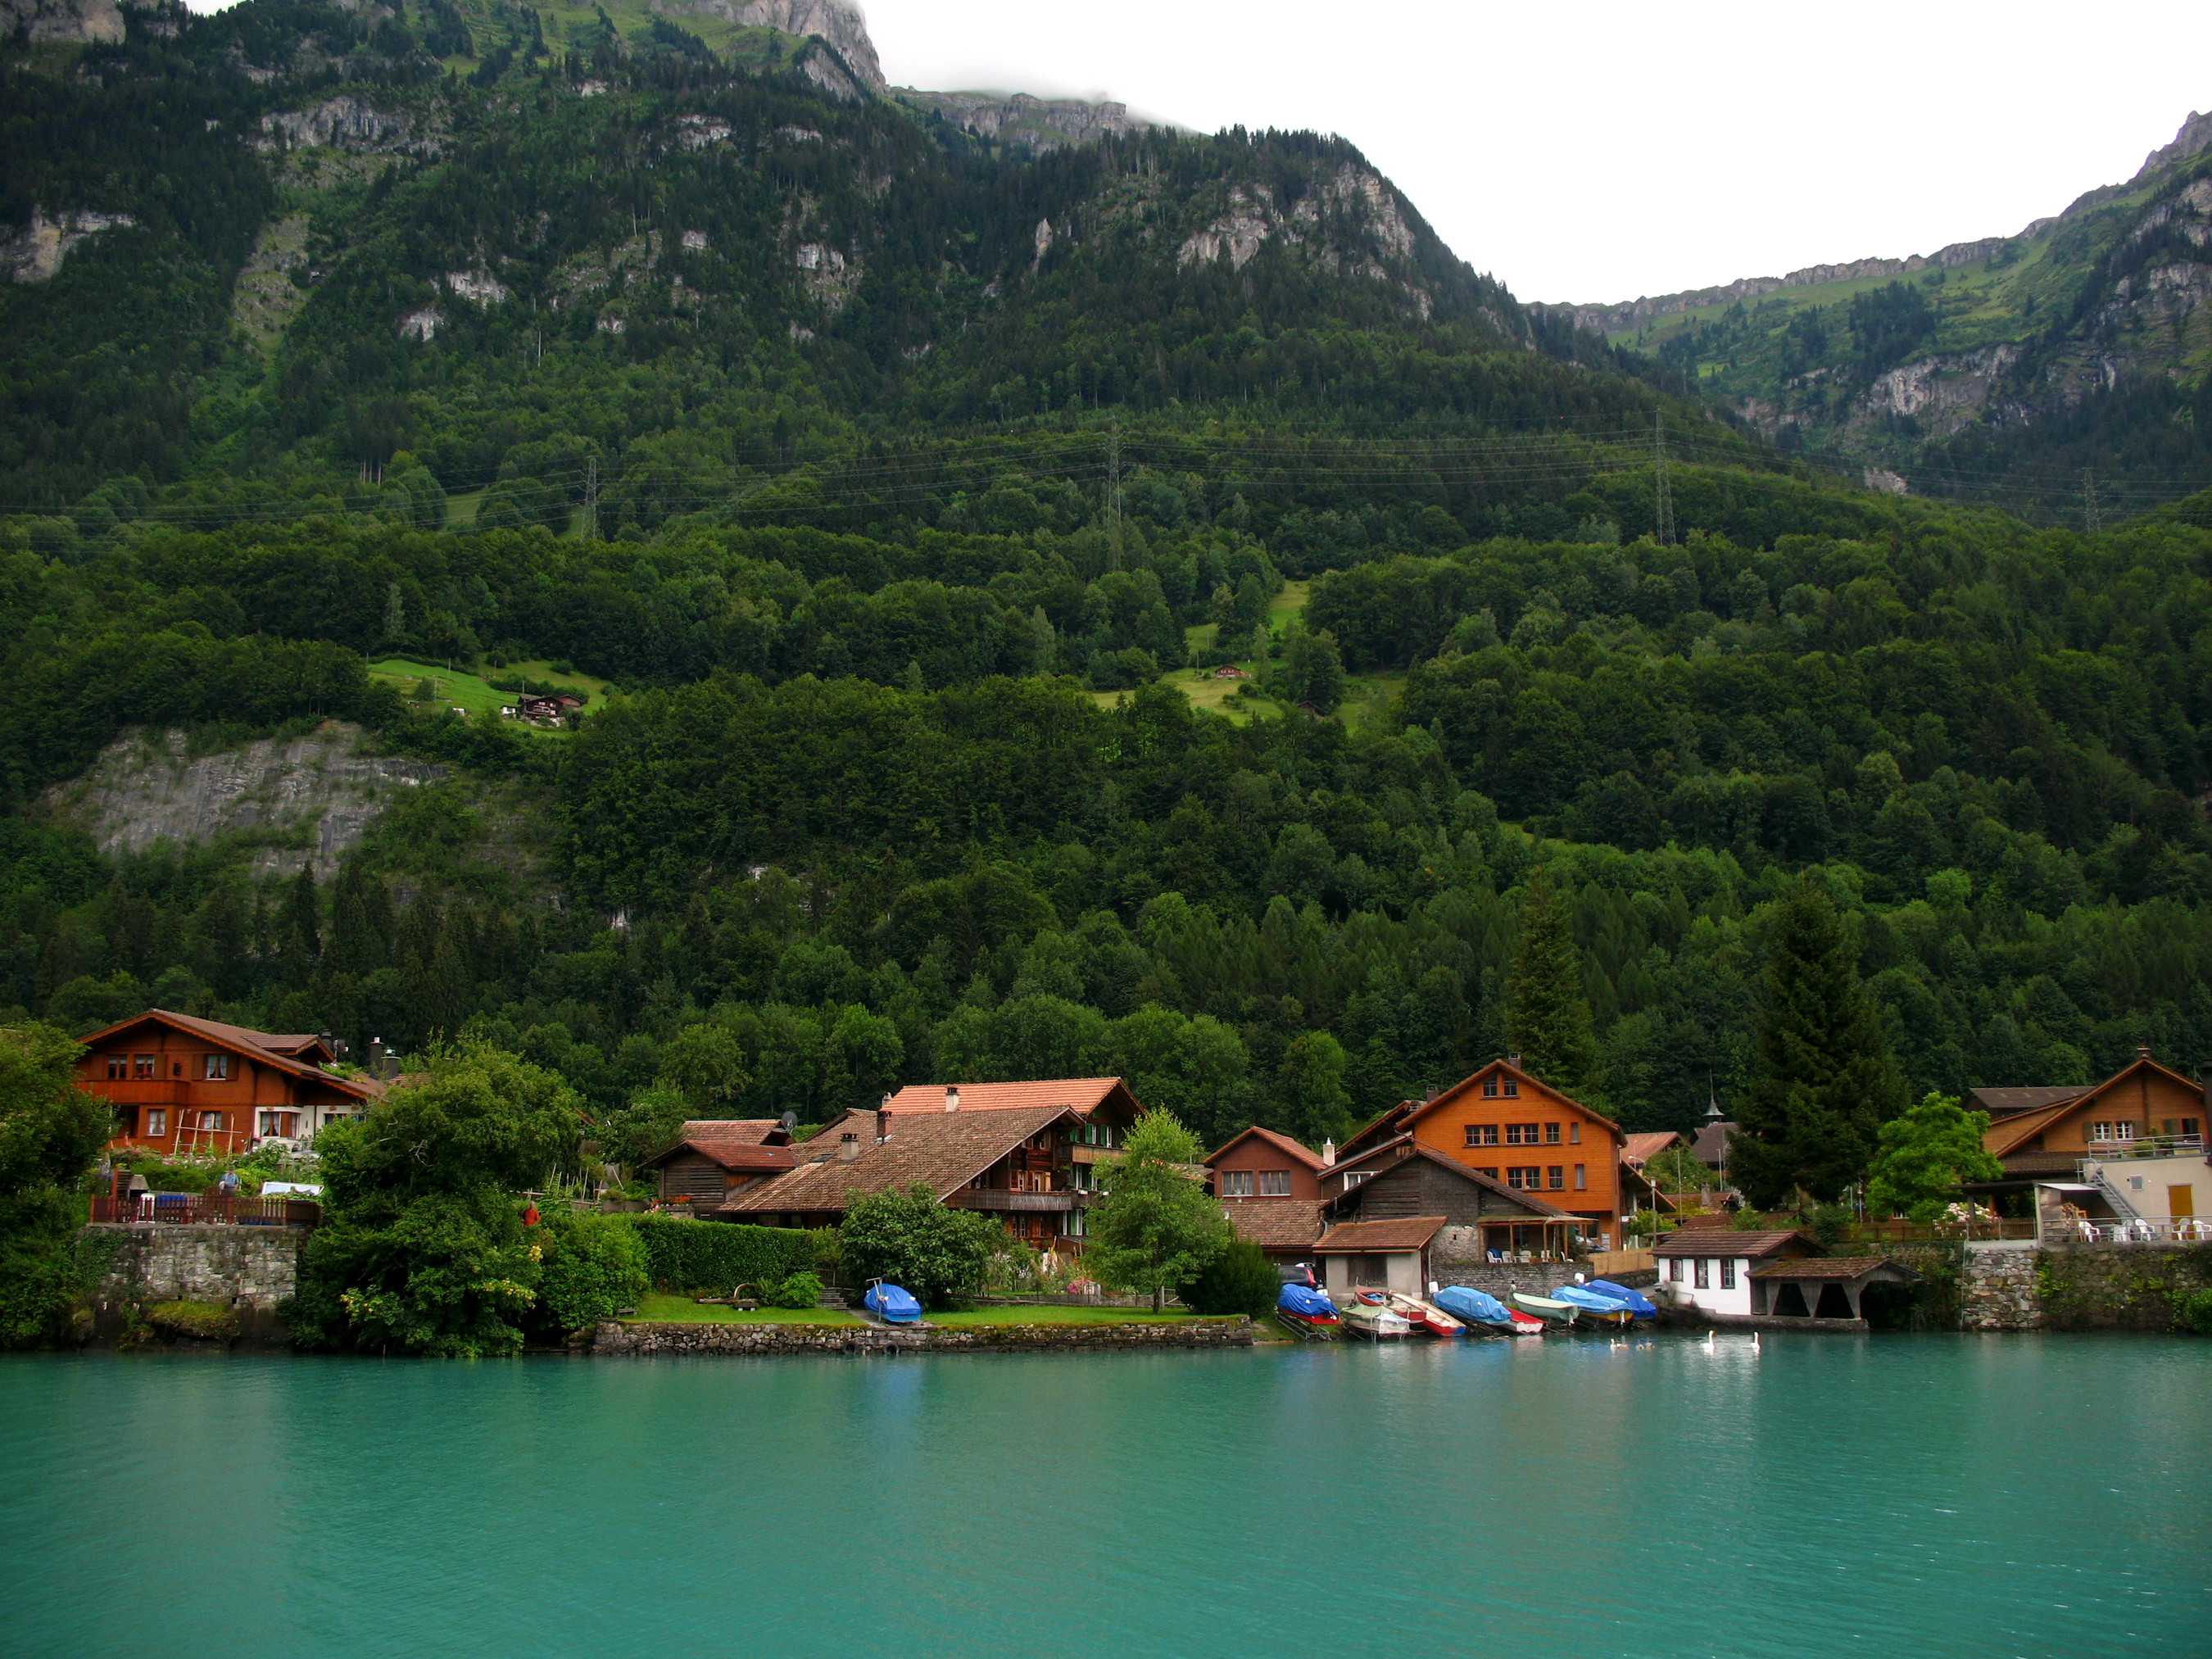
(2139, 1230)
(207, 1209)
(2114, 1151)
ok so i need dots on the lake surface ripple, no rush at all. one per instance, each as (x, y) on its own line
(1890, 1495)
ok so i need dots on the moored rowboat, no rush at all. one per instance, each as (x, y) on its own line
(1551, 1312)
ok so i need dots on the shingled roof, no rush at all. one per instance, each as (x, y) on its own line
(1081, 1094)
(944, 1151)
(1641, 1149)
(1410, 1232)
(1828, 1266)
(1289, 1148)
(1273, 1224)
(1726, 1241)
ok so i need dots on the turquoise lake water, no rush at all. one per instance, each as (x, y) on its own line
(1889, 1495)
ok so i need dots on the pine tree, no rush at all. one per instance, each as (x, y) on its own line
(300, 933)
(1823, 1078)
(1548, 1013)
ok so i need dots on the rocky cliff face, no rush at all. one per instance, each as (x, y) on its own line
(1041, 124)
(314, 798)
(838, 23)
(82, 23)
(35, 254)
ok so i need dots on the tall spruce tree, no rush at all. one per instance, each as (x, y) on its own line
(1824, 1080)
(1547, 1018)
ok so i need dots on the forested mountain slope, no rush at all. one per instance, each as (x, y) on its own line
(2067, 369)
(896, 477)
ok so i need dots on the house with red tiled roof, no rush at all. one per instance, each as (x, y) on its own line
(1014, 1163)
(1486, 1219)
(184, 1086)
(712, 1158)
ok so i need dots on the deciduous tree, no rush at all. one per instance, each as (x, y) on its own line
(1156, 1228)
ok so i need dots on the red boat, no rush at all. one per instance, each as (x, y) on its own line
(1425, 1315)
(1526, 1324)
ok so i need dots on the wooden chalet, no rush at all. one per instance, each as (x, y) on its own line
(1403, 1178)
(1104, 1108)
(1015, 1162)
(714, 1158)
(1508, 1126)
(1263, 1163)
(2044, 1133)
(186, 1087)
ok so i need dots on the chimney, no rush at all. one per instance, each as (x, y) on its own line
(1428, 1092)
(1328, 1147)
(1514, 1060)
(849, 1148)
(883, 1125)
(952, 1097)
(2143, 1051)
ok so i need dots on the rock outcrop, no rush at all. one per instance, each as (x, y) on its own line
(35, 254)
(84, 22)
(1041, 123)
(319, 793)
(836, 22)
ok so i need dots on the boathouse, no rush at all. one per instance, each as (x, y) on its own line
(1709, 1268)
(1821, 1287)
(1380, 1255)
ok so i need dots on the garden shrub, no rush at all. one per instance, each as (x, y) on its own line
(682, 1255)
(801, 1290)
(591, 1265)
(1240, 1280)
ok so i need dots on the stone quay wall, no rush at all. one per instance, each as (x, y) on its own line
(248, 1268)
(1998, 1287)
(642, 1337)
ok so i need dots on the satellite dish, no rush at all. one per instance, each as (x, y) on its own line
(789, 1120)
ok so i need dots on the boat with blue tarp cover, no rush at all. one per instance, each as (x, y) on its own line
(891, 1303)
(1596, 1309)
(1638, 1304)
(1301, 1305)
(1474, 1307)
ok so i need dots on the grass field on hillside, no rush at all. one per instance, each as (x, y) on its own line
(454, 689)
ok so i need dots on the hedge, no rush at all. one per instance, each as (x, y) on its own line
(682, 1255)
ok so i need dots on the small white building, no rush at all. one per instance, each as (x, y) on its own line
(1710, 1267)
(1377, 1255)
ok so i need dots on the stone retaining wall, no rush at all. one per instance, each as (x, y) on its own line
(1997, 1288)
(620, 1337)
(250, 1268)
(2117, 1287)
(1502, 1279)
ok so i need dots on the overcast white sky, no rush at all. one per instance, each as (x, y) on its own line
(1606, 149)
(1603, 150)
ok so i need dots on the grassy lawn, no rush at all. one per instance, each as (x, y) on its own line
(1055, 1315)
(470, 691)
(682, 1310)
(1286, 604)
(1368, 697)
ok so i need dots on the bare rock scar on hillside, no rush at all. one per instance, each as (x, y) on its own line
(320, 793)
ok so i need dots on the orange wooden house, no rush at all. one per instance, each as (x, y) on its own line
(1506, 1125)
(187, 1087)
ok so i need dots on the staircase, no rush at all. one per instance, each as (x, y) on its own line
(2113, 1196)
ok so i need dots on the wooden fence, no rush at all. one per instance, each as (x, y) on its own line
(209, 1209)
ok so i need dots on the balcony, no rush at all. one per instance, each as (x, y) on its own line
(1001, 1201)
(143, 1092)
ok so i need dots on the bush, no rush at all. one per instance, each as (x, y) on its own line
(801, 1290)
(914, 1240)
(199, 1321)
(2193, 1310)
(592, 1266)
(685, 1255)
(1240, 1280)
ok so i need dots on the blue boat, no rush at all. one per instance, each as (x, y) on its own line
(1474, 1307)
(1638, 1304)
(891, 1304)
(1598, 1309)
(1303, 1305)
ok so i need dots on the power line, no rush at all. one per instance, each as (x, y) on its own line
(1662, 500)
